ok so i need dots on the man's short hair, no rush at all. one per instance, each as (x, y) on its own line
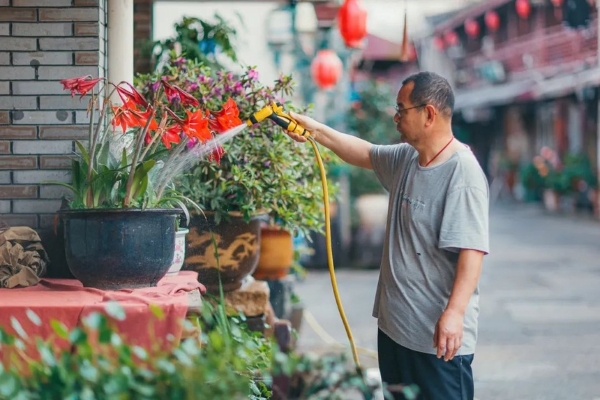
(431, 88)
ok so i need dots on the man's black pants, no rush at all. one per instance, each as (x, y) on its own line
(435, 378)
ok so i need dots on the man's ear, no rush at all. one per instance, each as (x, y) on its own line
(431, 113)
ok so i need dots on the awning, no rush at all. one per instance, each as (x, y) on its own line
(493, 95)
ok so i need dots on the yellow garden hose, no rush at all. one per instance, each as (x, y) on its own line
(330, 253)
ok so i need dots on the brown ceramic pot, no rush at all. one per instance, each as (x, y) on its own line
(276, 253)
(237, 256)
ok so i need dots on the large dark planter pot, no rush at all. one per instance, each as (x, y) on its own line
(238, 246)
(121, 248)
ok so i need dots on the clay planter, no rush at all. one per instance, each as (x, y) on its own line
(276, 253)
(121, 248)
(238, 251)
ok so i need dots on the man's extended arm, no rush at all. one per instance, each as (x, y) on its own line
(449, 329)
(351, 149)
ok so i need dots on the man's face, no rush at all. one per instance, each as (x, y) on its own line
(409, 116)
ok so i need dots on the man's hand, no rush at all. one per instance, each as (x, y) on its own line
(307, 123)
(448, 334)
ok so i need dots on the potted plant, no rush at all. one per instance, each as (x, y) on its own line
(121, 220)
(262, 177)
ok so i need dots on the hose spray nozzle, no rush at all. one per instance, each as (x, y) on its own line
(274, 112)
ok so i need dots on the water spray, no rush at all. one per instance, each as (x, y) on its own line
(275, 113)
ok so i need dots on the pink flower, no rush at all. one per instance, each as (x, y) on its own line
(253, 74)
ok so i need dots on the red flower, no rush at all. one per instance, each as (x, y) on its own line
(123, 118)
(127, 117)
(131, 96)
(80, 85)
(174, 92)
(195, 125)
(171, 135)
(216, 154)
(226, 118)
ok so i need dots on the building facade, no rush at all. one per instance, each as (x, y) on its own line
(526, 74)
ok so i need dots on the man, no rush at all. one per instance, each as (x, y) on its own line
(437, 234)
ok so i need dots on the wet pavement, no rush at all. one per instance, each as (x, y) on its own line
(539, 327)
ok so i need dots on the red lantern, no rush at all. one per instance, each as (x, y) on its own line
(492, 20)
(523, 8)
(557, 3)
(451, 38)
(352, 20)
(438, 42)
(472, 28)
(326, 69)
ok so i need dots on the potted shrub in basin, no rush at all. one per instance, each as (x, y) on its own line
(261, 177)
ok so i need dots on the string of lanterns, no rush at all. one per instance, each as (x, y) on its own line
(491, 19)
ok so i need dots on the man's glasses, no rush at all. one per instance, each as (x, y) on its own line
(402, 111)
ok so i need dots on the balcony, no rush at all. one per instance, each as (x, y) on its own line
(540, 54)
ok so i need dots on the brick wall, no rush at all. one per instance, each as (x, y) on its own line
(42, 42)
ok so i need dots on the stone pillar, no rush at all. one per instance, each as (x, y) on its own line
(42, 42)
(120, 41)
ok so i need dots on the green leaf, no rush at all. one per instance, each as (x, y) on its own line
(104, 154)
(83, 151)
(59, 328)
(5, 338)
(8, 386)
(33, 317)
(77, 337)
(47, 356)
(93, 320)
(115, 310)
(18, 328)
(157, 311)
(124, 161)
(140, 178)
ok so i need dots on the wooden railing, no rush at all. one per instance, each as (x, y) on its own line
(550, 50)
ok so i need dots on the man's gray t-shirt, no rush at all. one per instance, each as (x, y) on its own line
(433, 213)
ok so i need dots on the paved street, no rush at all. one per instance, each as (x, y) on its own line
(539, 335)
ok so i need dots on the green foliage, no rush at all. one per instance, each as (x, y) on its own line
(371, 118)
(200, 40)
(532, 181)
(578, 169)
(219, 360)
(574, 174)
(221, 363)
(262, 169)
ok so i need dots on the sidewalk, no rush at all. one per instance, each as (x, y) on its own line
(539, 335)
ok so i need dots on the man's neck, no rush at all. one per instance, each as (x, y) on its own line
(441, 146)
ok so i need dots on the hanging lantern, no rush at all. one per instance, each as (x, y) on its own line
(558, 9)
(492, 20)
(451, 38)
(438, 42)
(523, 8)
(352, 21)
(326, 69)
(472, 28)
